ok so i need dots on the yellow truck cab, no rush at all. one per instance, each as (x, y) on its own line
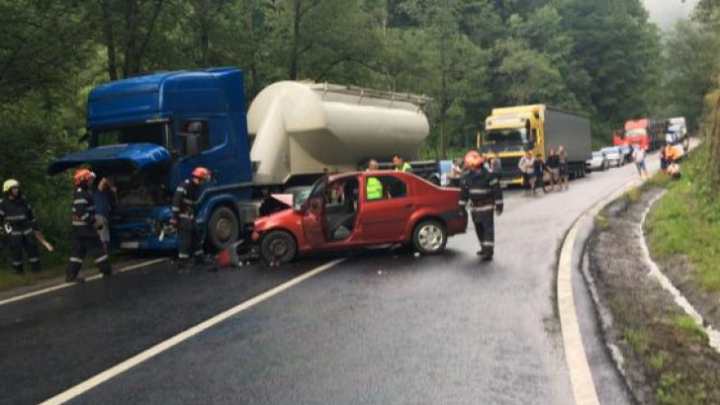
(511, 131)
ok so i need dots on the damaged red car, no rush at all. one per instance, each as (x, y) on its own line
(354, 210)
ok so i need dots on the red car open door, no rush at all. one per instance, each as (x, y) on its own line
(314, 220)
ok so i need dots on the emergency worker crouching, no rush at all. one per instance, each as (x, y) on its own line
(84, 231)
(183, 209)
(19, 223)
(481, 188)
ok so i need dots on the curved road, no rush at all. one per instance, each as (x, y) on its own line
(381, 327)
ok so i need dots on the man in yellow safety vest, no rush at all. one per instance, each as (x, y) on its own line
(373, 186)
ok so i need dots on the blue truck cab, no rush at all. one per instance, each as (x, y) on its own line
(148, 133)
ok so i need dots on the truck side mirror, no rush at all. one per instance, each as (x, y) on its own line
(192, 144)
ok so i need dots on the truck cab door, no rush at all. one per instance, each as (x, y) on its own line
(314, 219)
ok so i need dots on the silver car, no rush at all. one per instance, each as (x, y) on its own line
(613, 155)
(597, 162)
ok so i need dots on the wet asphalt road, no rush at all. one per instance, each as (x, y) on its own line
(382, 327)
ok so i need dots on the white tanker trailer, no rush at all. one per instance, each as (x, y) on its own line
(300, 130)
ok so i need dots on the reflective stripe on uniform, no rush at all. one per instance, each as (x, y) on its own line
(76, 260)
(463, 203)
(488, 244)
(17, 263)
(499, 202)
(28, 232)
(101, 258)
(16, 218)
(80, 201)
(16, 233)
(181, 189)
(187, 201)
(494, 182)
(86, 216)
(483, 208)
(183, 256)
(198, 252)
(79, 223)
(34, 259)
(186, 216)
(175, 209)
(476, 191)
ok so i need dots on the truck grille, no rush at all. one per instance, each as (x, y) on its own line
(510, 168)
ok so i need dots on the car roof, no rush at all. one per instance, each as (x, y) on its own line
(340, 176)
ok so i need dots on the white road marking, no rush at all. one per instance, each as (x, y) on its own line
(581, 378)
(181, 337)
(678, 297)
(68, 285)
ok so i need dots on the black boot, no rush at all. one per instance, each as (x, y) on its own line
(19, 270)
(36, 267)
(487, 255)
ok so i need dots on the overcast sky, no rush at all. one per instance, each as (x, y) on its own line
(666, 12)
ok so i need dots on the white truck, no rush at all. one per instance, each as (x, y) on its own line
(300, 130)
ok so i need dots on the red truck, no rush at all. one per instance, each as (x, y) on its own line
(647, 133)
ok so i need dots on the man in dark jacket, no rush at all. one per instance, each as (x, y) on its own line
(19, 223)
(85, 226)
(183, 209)
(482, 188)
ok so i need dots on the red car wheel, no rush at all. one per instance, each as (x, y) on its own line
(430, 237)
(278, 247)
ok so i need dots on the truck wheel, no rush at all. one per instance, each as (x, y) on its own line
(278, 247)
(223, 228)
(430, 237)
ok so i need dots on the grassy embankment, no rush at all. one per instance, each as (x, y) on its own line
(679, 225)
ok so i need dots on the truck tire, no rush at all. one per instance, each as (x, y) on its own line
(223, 228)
(430, 237)
(278, 247)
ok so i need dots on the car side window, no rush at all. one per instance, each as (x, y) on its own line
(199, 127)
(379, 188)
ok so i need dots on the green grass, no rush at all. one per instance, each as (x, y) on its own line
(637, 339)
(687, 324)
(677, 226)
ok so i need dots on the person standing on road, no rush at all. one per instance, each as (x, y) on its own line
(482, 189)
(639, 159)
(563, 168)
(20, 224)
(455, 174)
(183, 210)
(496, 165)
(400, 164)
(553, 164)
(85, 226)
(103, 196)
(539, 169)
(527, 168)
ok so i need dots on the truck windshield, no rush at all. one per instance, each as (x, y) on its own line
(512, 135)
(504, 140)
(142, 133)
(636, 132)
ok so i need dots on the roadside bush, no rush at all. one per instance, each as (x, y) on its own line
(30, 139)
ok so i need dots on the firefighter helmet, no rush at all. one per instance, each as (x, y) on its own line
(10, 183)
(202, 173)
(83, 175)
(473, 160)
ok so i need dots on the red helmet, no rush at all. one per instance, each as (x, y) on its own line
(202, 173)
(473, 160)
(82, 176)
